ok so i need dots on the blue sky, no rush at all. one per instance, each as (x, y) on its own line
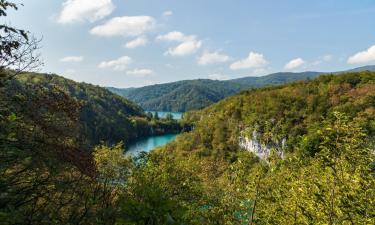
(126, 43)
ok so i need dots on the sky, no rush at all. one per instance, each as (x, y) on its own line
(132, 43)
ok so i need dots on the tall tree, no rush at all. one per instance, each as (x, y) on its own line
(18, 49)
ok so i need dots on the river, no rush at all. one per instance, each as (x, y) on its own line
(176, 115)
(150, 143)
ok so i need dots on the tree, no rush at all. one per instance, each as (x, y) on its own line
(169, 116)
(18, 49)
(149, 115)
(156, 116)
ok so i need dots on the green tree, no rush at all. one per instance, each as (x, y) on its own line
(169, 116)
(156, 115)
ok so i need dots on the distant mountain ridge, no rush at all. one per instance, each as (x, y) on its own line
(180, 96)
(188, 95)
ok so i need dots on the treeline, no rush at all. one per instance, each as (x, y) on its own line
(103, 116)
(50, 174)
(49, 126)
(180, 96)
(326, 175)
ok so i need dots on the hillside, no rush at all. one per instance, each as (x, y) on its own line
(50, 131)
(180, 96)
(103, 116)
(188, 95)
(275, 78)
(287, 148)
(272, 156)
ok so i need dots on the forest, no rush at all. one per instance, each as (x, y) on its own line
(189, 95)
(63, 144)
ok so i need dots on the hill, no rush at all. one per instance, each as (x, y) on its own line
(50, 131)
(188, 95)
(180, 96)
(263, 153)
(275, 78)
(300, 152)
(103, 116)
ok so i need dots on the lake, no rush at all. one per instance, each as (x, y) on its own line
(176, 115)
(150, 143)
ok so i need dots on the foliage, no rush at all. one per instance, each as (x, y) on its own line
(48, 175)
(103, 116)
(18, 49)
(179, 96)
(325, 176)
(189, 95)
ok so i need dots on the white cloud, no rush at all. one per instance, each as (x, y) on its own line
(217, 76)
(85, 10)
(119, 64)
(254, 60)
(294, 63)
(188, 43)
(127, 26)
(185, 48)
(72, 59)
(167, 13)
(363, 57)
(140, 72)
(212, 57)
(138, 42)
(176, 36)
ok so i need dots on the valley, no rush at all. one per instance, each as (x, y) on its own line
(188, 95)
(290, 147)
(149, 144)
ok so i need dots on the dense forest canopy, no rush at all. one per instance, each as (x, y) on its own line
(299, 153)
(324, 174)
(189, 95)
(180, 96)
(103, 116)
(205, 176)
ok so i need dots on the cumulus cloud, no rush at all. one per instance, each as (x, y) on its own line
(294, 64)
(119, 64)
(85, 10)
(127, 26)
(217, 76)
(189, 44)
(138, 42)
(212, 57)
(366, 56)
(254, 60)
(167, 13)
(72, 59)
(185, 48)
(140, 72)
(176, 36)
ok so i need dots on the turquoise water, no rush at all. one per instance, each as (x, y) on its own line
(149, 144)
(176, 115)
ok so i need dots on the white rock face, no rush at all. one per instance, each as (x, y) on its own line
(263, 151)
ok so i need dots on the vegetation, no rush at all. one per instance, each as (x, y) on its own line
(103, 116)
(179, 96)
(319, 166)
(189, 95)
(204, 177)
(324, 175)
